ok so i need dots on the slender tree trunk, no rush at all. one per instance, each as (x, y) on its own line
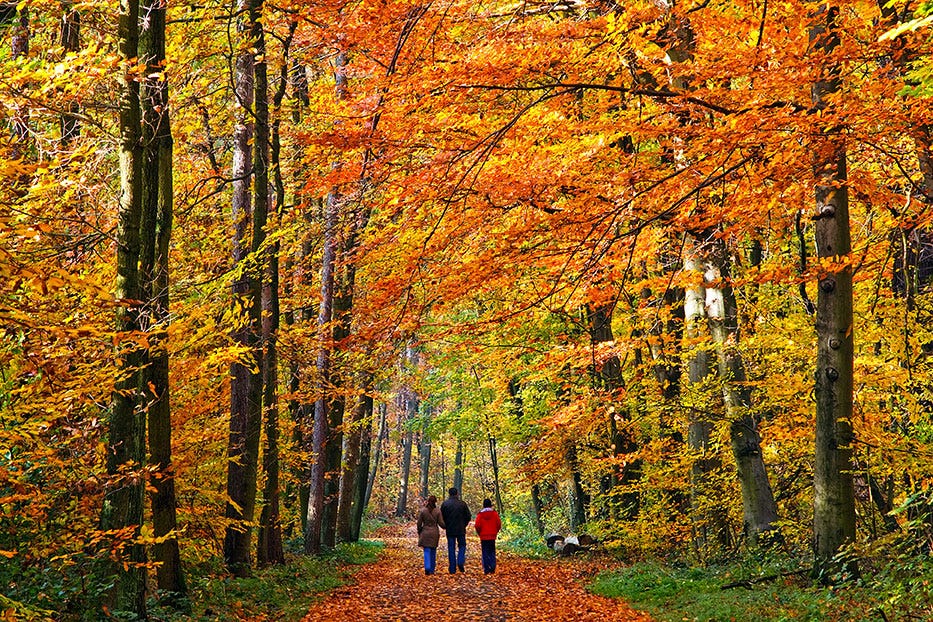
(246, 378)
(608, 375)
(269, 543)
(758, 505)
(377, 458)
(322, 435)
(458, 467)
(71, 40)
(834, 496)
(158, 202)
(364, 419)
(410, 404)
(579, 498)
(19, 46)
(321, 432)
(125, 442)
(425, 453)
(705, 516)
(538, 507)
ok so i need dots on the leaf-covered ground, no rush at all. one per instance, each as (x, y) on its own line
(396, 589)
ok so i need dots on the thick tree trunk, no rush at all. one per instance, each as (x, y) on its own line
(154, 268)
(125, 442)
(246, 378)
(834, 496)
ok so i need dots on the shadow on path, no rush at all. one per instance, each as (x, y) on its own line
(521, 590)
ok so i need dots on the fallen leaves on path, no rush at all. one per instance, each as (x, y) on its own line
(396, 589)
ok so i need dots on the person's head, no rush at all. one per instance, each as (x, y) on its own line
(431, 502)
(453, 492)
(487, 503)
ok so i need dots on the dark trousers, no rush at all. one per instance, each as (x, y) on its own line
(456, 551)
(489, 555)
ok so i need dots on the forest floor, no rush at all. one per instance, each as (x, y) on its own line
(521, 590)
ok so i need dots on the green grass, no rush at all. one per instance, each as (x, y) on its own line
(696, 594)
(279, 592)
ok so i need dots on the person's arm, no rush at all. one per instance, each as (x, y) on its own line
(440, 519)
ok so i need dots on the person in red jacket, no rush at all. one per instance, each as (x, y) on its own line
(487, 526)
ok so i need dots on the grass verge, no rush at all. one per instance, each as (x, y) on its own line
(275, 593)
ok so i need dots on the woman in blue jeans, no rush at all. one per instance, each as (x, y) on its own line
(429, 533)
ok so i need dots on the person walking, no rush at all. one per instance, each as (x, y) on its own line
(487, 526)
(456, 516)
(429, 523)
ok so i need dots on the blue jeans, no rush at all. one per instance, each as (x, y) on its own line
(457, 543)
(430, 559)
(489, 555)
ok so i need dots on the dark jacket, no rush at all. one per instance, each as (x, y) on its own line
(456, 516)
(428, 522)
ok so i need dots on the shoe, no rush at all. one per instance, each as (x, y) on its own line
(460, 568)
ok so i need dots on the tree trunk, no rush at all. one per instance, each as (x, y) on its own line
(380, 441)
(321, 432)
(458, 467)
(246, 379)
(705, 517)
(758, 505)
(269, 543)
(364, 419)
(834, 496)
(578, 497)
(608, 376)
(71, 40)
(125, 442)
(19, 46)
(157, 199)
(425, 452)
(410, 404)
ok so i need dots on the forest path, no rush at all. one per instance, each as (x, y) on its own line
(521, 590)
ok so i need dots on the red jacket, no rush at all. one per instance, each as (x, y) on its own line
(487, 524)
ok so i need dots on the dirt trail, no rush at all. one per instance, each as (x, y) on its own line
(396, 589)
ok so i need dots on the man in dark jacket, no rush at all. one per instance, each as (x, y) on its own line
(456, 516)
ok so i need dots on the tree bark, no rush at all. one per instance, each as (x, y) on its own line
(458, 467)
(70, 38)
(410, 405)
(364, 420)
(125, 442)
(834, 496)
(706, 518)
(158, 203)
(425, 452)
(270, 548)
(377, 458)
(758, 505)
(246, 378)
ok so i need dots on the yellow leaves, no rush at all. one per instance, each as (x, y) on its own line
(908, 26)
